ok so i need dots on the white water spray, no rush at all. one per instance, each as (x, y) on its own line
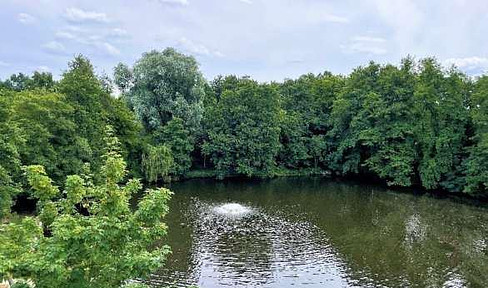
(232, 209)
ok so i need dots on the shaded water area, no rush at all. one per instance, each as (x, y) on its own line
(313, 232)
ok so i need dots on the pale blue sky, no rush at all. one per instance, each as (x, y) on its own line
(266, 39)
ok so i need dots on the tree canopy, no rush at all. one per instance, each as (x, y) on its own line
(243, 130)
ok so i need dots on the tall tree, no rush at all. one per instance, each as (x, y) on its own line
(477, 169)
(94, 108)
(390, 133)
(11, 139)
(243, 130)
(50, 133)
(163, 85)
(349, 122)
(84, 91)
(307, 103)
(441, 124)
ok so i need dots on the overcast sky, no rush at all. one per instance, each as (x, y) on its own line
(265, 39)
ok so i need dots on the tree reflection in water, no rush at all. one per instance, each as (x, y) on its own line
(314, 232)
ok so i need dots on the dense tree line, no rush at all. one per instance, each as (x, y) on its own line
(415, 124)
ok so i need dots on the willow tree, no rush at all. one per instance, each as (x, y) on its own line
(178, 139)
(163, 85)
(156, 162)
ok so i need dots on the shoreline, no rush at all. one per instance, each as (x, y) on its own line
(417, 190)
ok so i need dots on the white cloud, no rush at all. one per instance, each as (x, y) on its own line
(65, 35)
(174, 2)
(218, 54)
(108, 49)
(54, 47)
(86, 37)
(316, 15)
(117, 32)
(197, 48)
(4, 64)
(78, 15)
(335, 18)
(75, 29)
(25, 18)
(407, 21)
(295, 61)
(468, 63)
(365, 44)
(368, 39)
(268, 35)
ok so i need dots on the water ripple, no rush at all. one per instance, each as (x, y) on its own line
(236, 245)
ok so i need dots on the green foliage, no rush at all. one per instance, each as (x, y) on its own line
(157, 162)
(166, 91)
(50, 133)
(243, 130)
(200, 173)
(163, 85)
(8, 191)
(477, 168)
(10, 164)
(85, 93)
(307, 102)
(21, 82)
(412, 124)
(389, 136)
(86, 236)
(22, 284)
(128, 129)
(123, 77)
(178, 139)
(349, 119)
(93, 109)
(135, 285)
(402, 125)
(59, 130)
(441, 124)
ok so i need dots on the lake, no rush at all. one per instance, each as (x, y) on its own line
(316, 232)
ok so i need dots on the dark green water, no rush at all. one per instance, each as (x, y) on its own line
(311, 232)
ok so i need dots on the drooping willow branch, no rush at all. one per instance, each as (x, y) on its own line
(156, 162)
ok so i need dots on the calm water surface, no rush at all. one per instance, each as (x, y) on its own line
(312, 232)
